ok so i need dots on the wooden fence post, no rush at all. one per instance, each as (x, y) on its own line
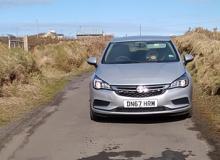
(9, 42)
(25, 43)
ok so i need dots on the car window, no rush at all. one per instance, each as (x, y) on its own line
(140, 52)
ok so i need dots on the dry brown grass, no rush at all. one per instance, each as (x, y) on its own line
(205, 46)
(66, 56)
(15, 66)
(205, 69)
(28, 79)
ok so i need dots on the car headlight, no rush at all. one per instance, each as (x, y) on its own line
(181, 82)
(100, 84)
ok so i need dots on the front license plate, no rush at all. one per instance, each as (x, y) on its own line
(140, 103)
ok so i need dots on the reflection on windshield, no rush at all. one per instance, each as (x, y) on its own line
(140, 52)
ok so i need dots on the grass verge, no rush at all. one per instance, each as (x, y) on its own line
(206, 115)
(13, 108)
(30, 79)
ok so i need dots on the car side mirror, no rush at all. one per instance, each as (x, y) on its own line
(92, 61)
(188, 58)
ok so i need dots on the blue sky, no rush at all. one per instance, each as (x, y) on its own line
(118, 17)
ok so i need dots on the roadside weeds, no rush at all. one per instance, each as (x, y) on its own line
(206, 115)
(29, 79)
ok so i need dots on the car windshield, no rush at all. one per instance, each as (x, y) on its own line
(140, 52)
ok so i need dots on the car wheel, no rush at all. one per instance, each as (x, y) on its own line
(94, 116)
(189, 114)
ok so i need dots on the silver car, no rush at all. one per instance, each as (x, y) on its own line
(140, 76)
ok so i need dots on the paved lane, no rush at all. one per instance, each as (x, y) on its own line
(69, 134)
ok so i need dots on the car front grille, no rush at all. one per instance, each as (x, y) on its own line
(131, 91)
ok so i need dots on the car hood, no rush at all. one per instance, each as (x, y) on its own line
(140, 73)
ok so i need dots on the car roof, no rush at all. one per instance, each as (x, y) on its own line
(141, 38)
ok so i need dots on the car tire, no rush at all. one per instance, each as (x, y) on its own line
(189, 114)
(94, 116)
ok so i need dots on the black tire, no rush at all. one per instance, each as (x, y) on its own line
(94, 116)
(188, 114)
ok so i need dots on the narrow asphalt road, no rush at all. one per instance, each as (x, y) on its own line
(67, 133)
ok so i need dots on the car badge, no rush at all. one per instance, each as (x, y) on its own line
(142, 89)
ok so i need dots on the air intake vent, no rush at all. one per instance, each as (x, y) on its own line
(100, 103)
(131, 91)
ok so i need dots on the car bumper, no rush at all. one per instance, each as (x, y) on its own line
(167, 102)
(179, 111)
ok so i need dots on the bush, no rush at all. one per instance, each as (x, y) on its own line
(16, 65)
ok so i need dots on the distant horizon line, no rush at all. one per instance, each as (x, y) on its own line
(71, 29)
